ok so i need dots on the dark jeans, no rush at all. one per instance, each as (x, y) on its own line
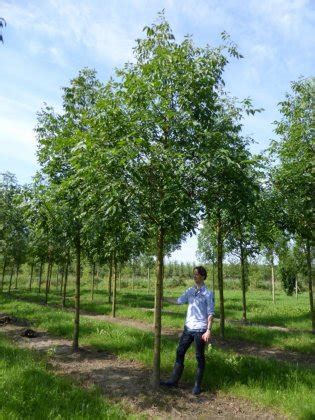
(185, 342)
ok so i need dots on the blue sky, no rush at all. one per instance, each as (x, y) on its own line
(47, 42)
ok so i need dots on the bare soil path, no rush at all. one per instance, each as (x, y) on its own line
(127, 382)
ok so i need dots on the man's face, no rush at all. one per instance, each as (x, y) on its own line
(198, 277)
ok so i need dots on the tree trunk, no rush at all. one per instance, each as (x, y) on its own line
(57, 279)
(148, 279)
(50, 275)
(273, 279)
(310, 283)
(11, 276)
(62, 278)
(220, 273)
(110, 277)
(243, 282)
(31, 277)
(40, 276)
(3, 272)
(114, 285)
(47, 281)
(213, 274)
(17, 276)
(93, 281)
(75, 345)
(158, 308)
(133, 278)
(64, 293)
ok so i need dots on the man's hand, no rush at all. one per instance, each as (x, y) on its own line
(206, 336)
(170, 300)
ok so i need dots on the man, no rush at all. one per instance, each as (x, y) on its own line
(197, 328)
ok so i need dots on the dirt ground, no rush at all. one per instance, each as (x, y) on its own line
(127, 382)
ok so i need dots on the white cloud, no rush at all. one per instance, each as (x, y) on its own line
(57, 56)
(69, 24)
(17, 140)
(263, 52)
(204, 13)
(288, 17)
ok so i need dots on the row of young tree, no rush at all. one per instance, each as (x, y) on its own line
(132, 166)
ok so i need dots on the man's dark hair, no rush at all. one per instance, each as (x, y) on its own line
(202, 271)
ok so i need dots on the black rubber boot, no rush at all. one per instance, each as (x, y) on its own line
(198, 379)
(175, 376)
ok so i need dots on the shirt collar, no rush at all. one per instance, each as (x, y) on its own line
(202, 289)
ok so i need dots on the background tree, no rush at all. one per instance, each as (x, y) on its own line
(292, 177)
(60, 137)
(206, 251)
(224, 170)
(13, 228)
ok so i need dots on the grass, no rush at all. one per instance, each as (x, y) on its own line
(287, 312)
(288, 387)
(30, 390)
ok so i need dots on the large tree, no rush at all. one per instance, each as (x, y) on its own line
(292, 177)
(171, 91)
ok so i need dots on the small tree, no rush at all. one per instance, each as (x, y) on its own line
(60, 138)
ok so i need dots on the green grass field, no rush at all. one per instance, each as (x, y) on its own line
(137, 304)
(289, 388)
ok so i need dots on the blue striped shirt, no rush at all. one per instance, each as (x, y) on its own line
(200, 306)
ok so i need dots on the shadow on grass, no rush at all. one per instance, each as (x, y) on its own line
(281, 319)
(134, 300)
(297, 341)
